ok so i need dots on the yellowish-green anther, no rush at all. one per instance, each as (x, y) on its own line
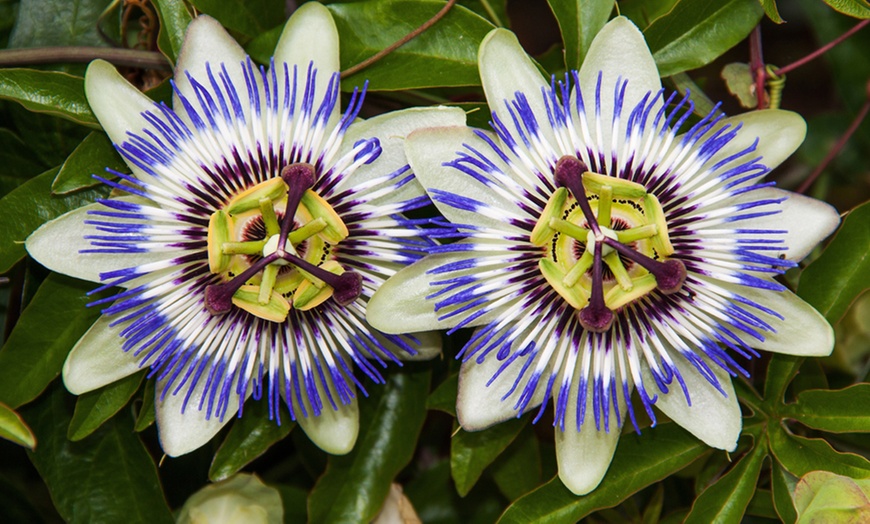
(272, 189)
(621, 188)
(307, 231)
(288, 282)
(270, 275)
(615, 264)
(577, 296)
(568, 228)
(335, 230)
(605, 203)
(270, 219)
(656, 215)
(634, 234)
(542, 231)
(248, 298)
(618, 297)
(219, 226)
(578, 269)
(309, 295)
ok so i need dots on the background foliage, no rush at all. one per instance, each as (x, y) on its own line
(95, 458)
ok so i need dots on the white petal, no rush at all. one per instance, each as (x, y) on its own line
(98, 358)
(57, 245)
(807, 220)
(400, 304)
(116, 103)
(333, 431)
(713, 417)
(428, 149)
(180, 433)
(802, 332)
(779, 134)
(618, 52)
(428, 347)
(479, 406)
(584, 456)
(309, 36)
(206, 41)
(391, 129)
(506, 69)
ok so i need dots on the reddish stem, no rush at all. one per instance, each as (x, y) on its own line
(841, 143)
(822, 50)
(756, 65)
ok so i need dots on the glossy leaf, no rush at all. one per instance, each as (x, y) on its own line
(17, 161)
(840, 411)
(93, 156)
(579, 21)
(645, 12)
(800, 455)
(107, 478)
(57, 94)
(726, 500)
(822, 496)
(51, 324)
(294, 500)
(249, 437)
(517, 471)
(780, 371)
(782, 485)
(174, 18)
(57, 22)
(771, 10)
(444, 396)
(842, 272)
(471, 452)
(94, 408)
(29, 206)
(14, 429)
(640, 461)
(445, 55)
(146, 414)
(355, 485)
(696, 32)
(854, 8)
(248, 17)
(684, 84)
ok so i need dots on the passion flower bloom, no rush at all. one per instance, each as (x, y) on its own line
(610, 247)
(258, 221)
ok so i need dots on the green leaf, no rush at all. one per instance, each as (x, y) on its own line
(780, 372)
(444, 396)
(94, 408)
(262, 47)
(842, 272)
(57, 23)
(640, 461)
(107, 478)
(294, 500)
(822, 496)
(248, 17)
(355, 485)
(29, 206)
(771, 10)
(57, 94)
(854, 8)
(726, 500)
(696, 32)
(801, 455)
(579, 22)
(644, 12)
(840, 411)
(443, 56)
(93, 156)
(17, 160)
(48, 328)
(518, 470)
(146, 414)
(14, 429)
(738, 79)
(782, 485)
(249, 438)
(472, 452)
(174, 19)
(684, 83)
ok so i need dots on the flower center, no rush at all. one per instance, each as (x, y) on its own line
(254, 269)
(605, 241)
